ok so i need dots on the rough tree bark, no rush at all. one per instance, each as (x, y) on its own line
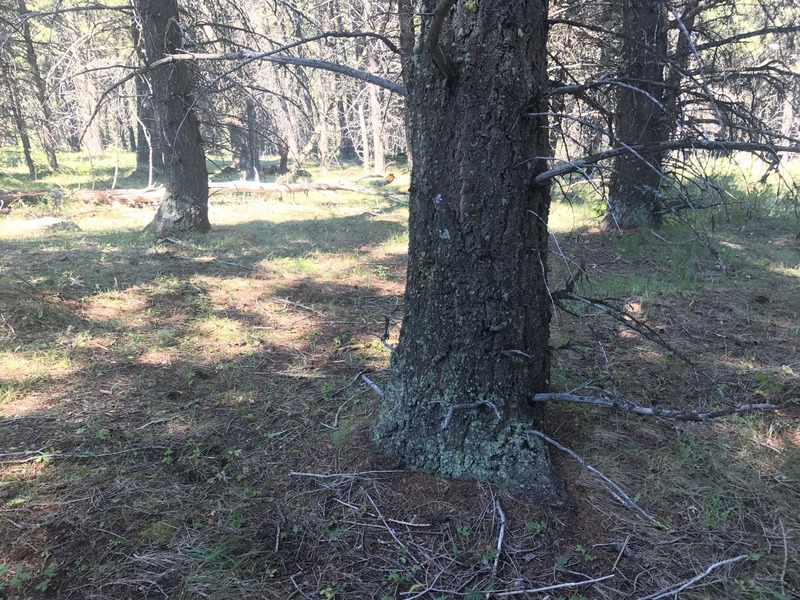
(242, 132)
(477, 313)
(633, 198)
(40, 91)
(405, 12)
(15, 108)
(149, 158)
(376, 124)
(185, 206)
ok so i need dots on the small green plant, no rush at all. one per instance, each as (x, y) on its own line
(463, 530)
(584, 553)
(197, 451)
(47, 576)
(396, 576)
(538, 528)
(332, 530)
(19, 577)
(332, 590)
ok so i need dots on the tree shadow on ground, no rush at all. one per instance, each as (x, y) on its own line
(155, 423)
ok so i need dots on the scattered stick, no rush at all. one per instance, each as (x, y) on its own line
(455, 407)
(347, 385)
(676, 589)
(360, 511)
(255, 187)
(387, 321)
(35, 455)
(551, 587)
(627, 552)
(620, 316)
(290, 374)
(373, 385)
(626, 500)
(286, 302)
(500, 535)
(620, 403)
(785, 557)
(391, 531)
(343, 475)
(294, 583)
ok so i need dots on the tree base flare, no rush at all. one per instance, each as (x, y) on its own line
(643, 214)
(472, 447)
(173, 216)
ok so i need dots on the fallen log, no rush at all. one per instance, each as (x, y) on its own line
(257, 187)
(152, 196)
(28, 197)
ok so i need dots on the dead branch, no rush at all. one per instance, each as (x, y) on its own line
(286, 303)
(548, 588)
(255, 187)
(621, 316)
(622, 496)
(701, 144)
(270, 56)
(676, 589)
(619, 402)
(373, 385)
(500, 535)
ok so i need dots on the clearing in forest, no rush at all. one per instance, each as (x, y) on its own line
(190, 420)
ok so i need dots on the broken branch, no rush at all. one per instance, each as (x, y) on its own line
(621, 403)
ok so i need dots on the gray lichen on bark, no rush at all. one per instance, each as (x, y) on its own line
(478, 292)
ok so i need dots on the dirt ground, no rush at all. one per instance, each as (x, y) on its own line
(191, 420)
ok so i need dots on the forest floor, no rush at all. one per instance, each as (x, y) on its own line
(188, 420)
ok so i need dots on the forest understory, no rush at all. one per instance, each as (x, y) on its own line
(190, 418)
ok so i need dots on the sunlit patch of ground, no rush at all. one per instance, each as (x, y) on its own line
(189, 420)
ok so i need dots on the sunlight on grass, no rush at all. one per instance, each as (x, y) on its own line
(184, 382)
(569, 216)
(33, 367)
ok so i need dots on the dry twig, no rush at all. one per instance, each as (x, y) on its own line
(676, 589)
(619, 402)
(620, 316)
(624, 498)
(548, 588)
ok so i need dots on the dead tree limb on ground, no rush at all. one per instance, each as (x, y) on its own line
(619, 402)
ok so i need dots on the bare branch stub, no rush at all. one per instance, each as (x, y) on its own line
(432, 40)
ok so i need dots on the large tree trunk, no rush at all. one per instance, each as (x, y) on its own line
(376, 124)
(149, 157)
(22, 131)
(40, 91)
(347, 149)
(633, 197)
(405, 10)
(15, 107)
(185, 207)
(476, 306)
(244, 142)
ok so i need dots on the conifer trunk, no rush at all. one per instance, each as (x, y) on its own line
(473, 345)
